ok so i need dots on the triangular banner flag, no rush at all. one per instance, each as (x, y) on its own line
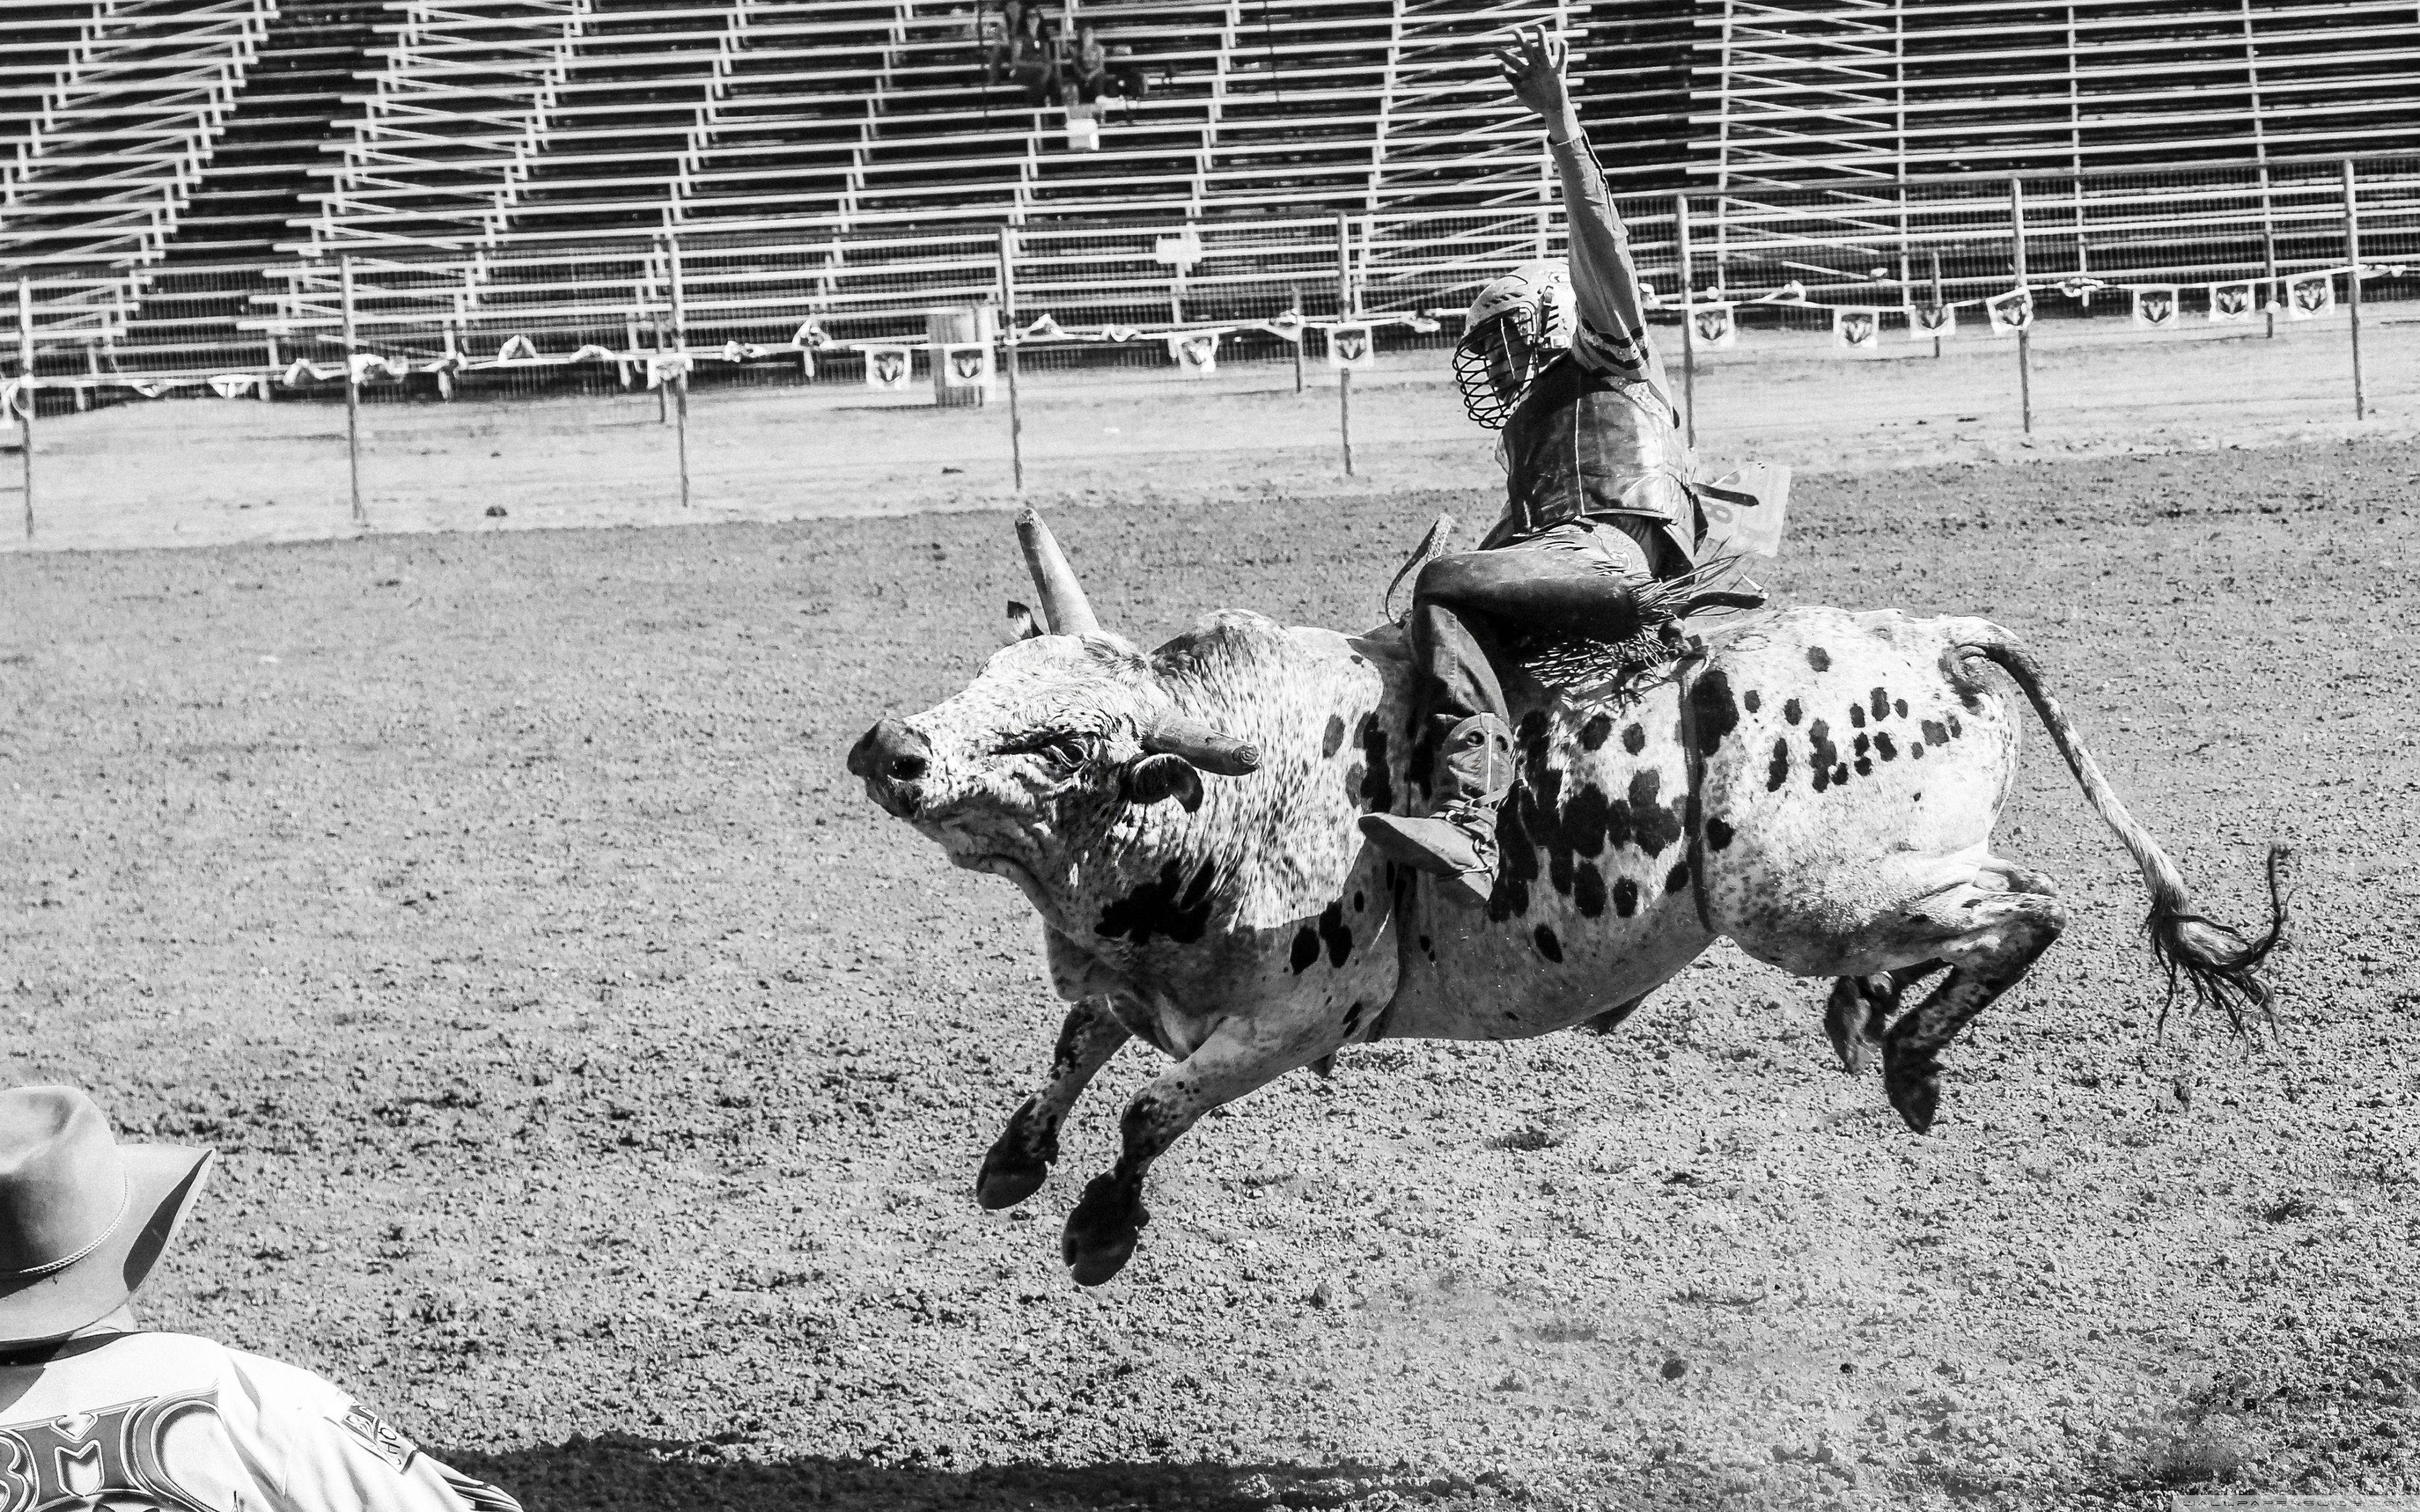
(2310, 296)
(1856, 329)
(2011, 312)
(2156, 307)
(2231, 302)
(1350, 348)
(887, 367)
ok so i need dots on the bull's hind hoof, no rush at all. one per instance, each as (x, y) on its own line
(1008, 1178)
(1101, 1233)
(1852, 1020)
(1014, 1168)
(1914, 1084)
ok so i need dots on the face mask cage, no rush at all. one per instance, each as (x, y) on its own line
(1492, 368)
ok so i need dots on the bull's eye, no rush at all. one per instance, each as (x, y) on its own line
(1067, 753)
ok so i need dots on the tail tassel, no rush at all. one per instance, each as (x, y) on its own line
(2220, 966)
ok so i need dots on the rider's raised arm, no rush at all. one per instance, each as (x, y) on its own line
(1605, 281)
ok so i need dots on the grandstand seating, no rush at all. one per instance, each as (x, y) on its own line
(1800, 92)
(171, 170)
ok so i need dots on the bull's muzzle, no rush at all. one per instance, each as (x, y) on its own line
(891, 759)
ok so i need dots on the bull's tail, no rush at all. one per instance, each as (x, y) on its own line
(2220, 963)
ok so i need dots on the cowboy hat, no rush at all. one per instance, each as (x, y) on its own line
(83, 1218)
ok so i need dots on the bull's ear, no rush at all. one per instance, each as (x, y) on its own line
(1020, 622)
(1152, 778)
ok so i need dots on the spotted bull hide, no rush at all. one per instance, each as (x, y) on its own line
(1819, 786)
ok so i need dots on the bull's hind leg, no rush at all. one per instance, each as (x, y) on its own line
(1020, 1159)
(1860, 1008)
(2007, 932)
(1983, 918)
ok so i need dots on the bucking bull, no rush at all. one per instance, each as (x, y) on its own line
(1818, 786)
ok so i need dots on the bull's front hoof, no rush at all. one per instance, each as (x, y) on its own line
(1101, 1233)
(1013, 1169)
(1914, 1082)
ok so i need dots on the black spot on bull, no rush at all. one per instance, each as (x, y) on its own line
(1306, 949)
(1549, 947)
(1625, 898)
(1883, 747)
(1778, 772)
(1594, 734)
(1819, 659)
(1333, 741)
(1352, 1018)
(1751, 700)
(1719, 835)
(1172, 907)
(1935, 733)
(1634, 739)
(1856, 717)
(1336, 933)
(1653, 825)
(1713, 708)
(1377, 787)
(1791, 712)
(1820, 753)
(1587, 891)
(1882, 705)
(1677, 878)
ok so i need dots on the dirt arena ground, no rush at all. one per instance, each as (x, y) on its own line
(601, 1078)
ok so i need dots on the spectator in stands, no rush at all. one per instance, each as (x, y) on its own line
(1092, 66)
(1033, 63)
(1000, 40)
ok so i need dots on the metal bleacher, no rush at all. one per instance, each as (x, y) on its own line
(499, 121)
(172, 172)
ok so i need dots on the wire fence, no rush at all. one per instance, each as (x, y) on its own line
(619, 333)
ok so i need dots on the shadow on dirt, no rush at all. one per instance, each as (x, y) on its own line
(617, 1472)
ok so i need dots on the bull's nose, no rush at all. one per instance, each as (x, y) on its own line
(889, 752)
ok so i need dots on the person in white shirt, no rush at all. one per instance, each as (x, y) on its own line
(96, 1412)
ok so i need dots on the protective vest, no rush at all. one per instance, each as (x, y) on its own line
(1585, 443)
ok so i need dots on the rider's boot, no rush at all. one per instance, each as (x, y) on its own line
(1457, 840)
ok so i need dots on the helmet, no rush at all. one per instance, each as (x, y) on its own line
(1518, 324)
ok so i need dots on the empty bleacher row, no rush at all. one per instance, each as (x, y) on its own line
(1801, 92)
(495, 121)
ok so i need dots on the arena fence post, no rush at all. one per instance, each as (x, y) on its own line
(2025, 333)
(1936, 300)
(2353, 283)
(352, 384)
(1688, 318)
(680, 362)
(25, 393)
(2269, 251)
(1008, 340)
(1345, 309)
(1295, 294)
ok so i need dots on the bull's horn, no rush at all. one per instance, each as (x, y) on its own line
(1176, 735)
(1063, 598)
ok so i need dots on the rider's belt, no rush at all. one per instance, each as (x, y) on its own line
(1588, 444)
